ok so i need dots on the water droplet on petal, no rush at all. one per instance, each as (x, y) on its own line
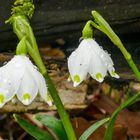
(102, 55)
(5, 63)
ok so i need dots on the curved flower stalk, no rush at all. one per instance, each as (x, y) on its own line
(101, 24)
(21, 78)
(21, 13)
(90, 59)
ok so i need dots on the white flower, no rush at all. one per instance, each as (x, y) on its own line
(21, 78)
(90, 59)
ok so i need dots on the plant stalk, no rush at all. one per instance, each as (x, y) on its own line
(101, 24)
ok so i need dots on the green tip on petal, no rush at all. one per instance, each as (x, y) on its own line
(26, 96)
(1, 98)
(69, 78)
(26, 99)
(49, 99)
(99, 77)
(114, 74)
(77, 78)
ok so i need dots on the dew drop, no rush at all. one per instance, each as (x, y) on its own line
(102, 55)
(5, 63)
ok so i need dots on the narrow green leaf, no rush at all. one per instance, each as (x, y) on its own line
(34, 131)
(93, 128)
(109, 131)
(54, 124)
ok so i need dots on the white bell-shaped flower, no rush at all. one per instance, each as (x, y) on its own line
(21, 78)
(90, 58)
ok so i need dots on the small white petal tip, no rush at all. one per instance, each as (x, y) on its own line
(114, 74)
(1, 105)
(100, 80)
(69, 79)
(49, 99)
(26, 99)
(50, 103)
(75, 84)
(26, 102)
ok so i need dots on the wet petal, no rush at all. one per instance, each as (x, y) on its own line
(43, 90)
(97, 69)
(14, 70)
(113, 73)
(78, 63)
(6, 88)
(5, 96)
(28, 89)
(40, 81)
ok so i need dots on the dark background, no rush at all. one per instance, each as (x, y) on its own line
(64, 19)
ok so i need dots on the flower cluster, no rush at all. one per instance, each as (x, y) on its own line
(90, 59)
(21, 78)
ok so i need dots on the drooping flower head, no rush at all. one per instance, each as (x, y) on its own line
(21, 78)
(90, 59)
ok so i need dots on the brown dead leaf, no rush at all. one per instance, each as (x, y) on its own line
(80, 125)
(130, 120)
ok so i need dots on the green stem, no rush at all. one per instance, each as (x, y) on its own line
(54, 94)
(101, 24)
(24, 31)
(63, 114)
(21, 11)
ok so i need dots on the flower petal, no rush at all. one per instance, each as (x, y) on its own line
(28, 88)
(6, 88)
(97, 69)
(78, 63)
(113, 73)
(104, 56)
(5, 96)
(40, 81)
(43, 90)
(14, 70)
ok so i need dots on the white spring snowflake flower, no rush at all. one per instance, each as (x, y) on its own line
(90, 59)
(21, 78)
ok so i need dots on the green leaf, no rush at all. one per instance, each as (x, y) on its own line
(93, 128)
(109, 131)
(34, 131)
(54, 124)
